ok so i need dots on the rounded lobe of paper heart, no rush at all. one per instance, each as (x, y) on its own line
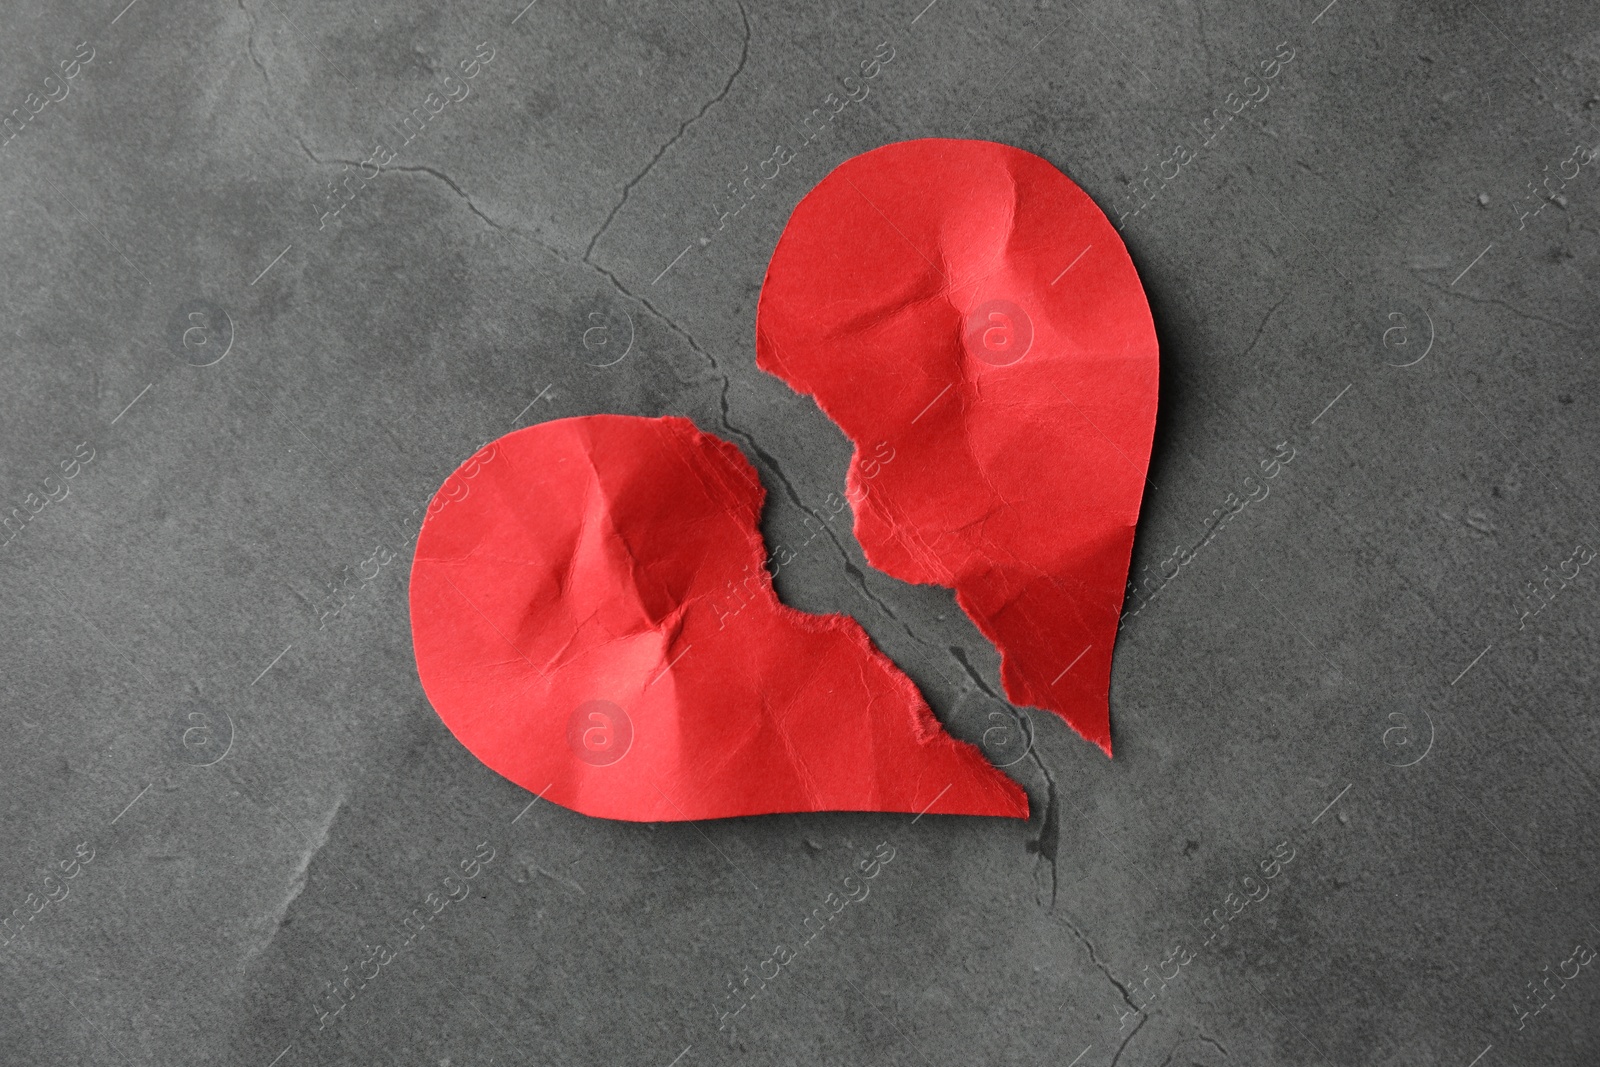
(968, 304)
(593, 620)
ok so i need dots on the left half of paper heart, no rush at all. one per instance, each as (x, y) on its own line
(593, 619)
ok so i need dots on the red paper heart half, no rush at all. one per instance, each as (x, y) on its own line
(967, 303)
(593, 620)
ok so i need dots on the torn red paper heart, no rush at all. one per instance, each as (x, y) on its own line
(968, 303)
(593, 620)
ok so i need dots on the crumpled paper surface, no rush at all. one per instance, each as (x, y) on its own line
(593, 620)
(968, 303)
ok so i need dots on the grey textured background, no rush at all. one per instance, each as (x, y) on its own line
(1341, 669)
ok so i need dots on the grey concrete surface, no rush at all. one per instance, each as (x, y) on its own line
(220, 798)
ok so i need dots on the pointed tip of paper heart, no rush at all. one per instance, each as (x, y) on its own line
(965, 306)
(593, 619)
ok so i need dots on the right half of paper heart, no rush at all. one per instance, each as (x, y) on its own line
(971, 320)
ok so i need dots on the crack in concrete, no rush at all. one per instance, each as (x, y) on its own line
(1049, 840)
(298, 875)
(762, 454)
(250, 45)
(553, 251)
(455, 187)
(1131, 1035)
(959, 654)
(1531, 317)
(1251, 347)
(301, 141)
(860, 580)
(1094, 958)
(1047, 843)
(627, 188)
(1204, 1037)
(419, 168)
(568, 882)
